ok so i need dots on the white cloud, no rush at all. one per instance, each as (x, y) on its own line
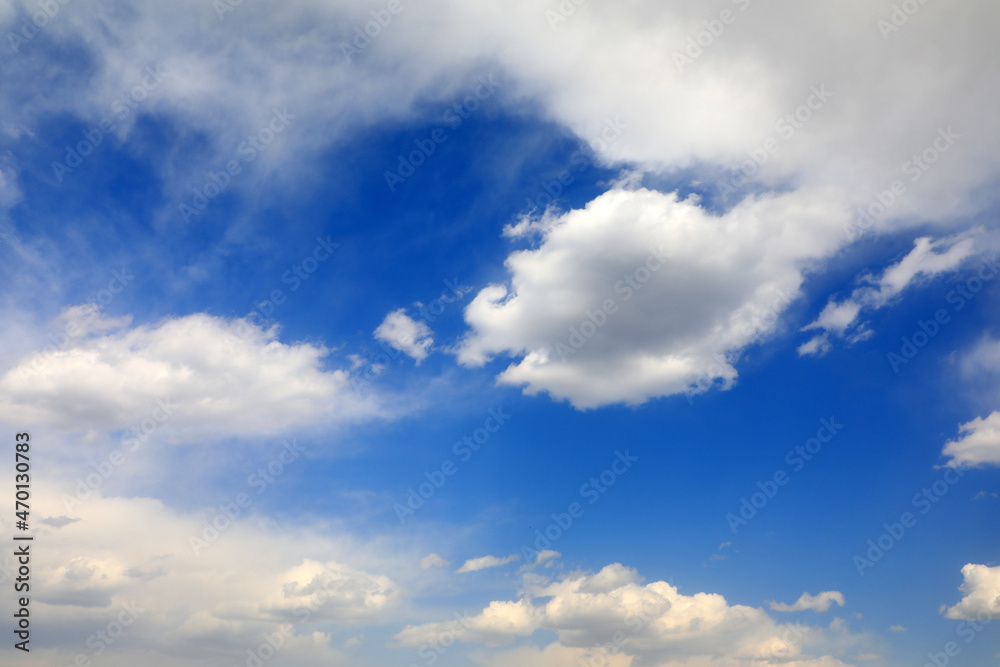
(981, 593)
(546, 555)
(590, 74)
(640, 295)
(593, 67)
(816, 345)
(254, 579)
(818, 603)
(357, 595)
(432, 560)
(483, 562)
(198, 374)
(979, 367)
(553, 655)
(10, 189)
(658, 625)
(983, 358)
(405, 334)
(979, 443)
(927, 260)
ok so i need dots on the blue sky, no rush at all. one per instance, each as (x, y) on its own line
(651, 335)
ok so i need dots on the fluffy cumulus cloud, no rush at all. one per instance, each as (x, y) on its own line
(611, 615)
(981, 594)
(405, 334)
(199, 373)
(928, 259)
(483, 562)
(978, 443)
(192, 594)
(817, 603)
(641, 294)
(767, 105)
